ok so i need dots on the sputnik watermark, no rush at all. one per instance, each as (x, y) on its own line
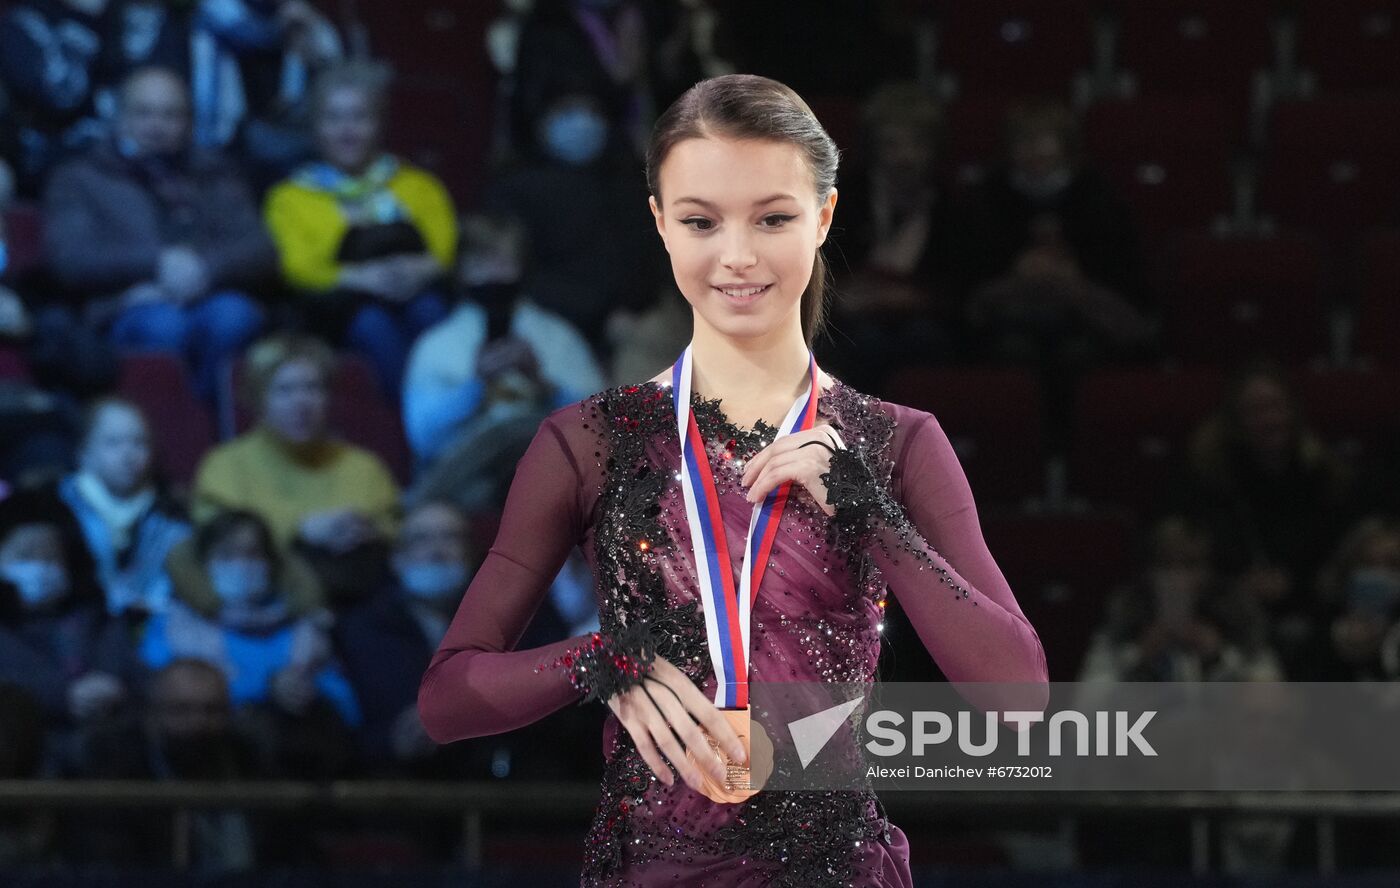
(885, 726)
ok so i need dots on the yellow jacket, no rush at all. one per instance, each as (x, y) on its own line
(283, 484)
(308, 225)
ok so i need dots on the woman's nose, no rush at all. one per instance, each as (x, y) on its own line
(738, 253)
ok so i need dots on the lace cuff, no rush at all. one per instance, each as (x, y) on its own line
(609, 664)
(860, 501)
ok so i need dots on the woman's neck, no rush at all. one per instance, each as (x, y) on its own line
(745, 371)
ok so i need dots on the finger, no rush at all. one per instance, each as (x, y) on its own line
(665, 738)
(642, 739)
(689, 733)
(789, 467)
(719, 728)
(703, 709)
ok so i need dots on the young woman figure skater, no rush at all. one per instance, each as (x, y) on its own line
(744, 514)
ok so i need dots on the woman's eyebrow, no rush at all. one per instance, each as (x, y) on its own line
(758, 203)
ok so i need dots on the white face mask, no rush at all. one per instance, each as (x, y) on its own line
(239, 580)
(434, 580)
(38, 582)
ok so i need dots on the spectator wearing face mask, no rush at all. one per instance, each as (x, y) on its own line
(257, 615)
(1061, 276)
(386, 644)
(56, 641)
(496, 356)
(366, 237)
(157, 241)
(1360, 584)
(186, 731)
(128, 524)
(605, 256)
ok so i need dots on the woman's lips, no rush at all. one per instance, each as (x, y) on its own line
(743, 295)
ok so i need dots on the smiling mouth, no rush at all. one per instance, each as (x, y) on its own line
(744, 294)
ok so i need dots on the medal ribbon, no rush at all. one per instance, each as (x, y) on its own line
(727, 608)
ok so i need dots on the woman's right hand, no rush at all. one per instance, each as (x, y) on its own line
(662, 715)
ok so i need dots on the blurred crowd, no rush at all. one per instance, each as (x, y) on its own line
(215, 187)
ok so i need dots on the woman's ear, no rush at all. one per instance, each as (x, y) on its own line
(660, 219)
(825, 213)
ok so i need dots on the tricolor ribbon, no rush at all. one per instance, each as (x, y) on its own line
(727, 608)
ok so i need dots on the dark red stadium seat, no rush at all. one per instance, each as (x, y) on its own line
(1333, 165)
(362, 415)
(1014, 46)
(24, 225)
(1129, 428)
(994, 419)
(13, 366)
(180, 424)
(1194, 46)
(1351, 45)
(1169, 157)
(1377, 325)
(1228, 297)
(1355, 411)
(1062, 569)
(444, 129)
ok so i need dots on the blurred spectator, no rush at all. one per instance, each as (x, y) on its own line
(498, 355)
(598, 47)
(14, 321)
(335, 503)
(1063, 280)
(49, 54)
(1361, 583)
(256, 614)
(251, 62)
(129, 525)
(186, 732)
(1274, 499)
(1178, 623)
(904, 237)
(25, 835)
(366, 236)
(386, 642)
(642, 341)
(55, 639)
(154, 235)
(605, 256)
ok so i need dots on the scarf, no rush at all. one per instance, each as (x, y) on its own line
(366, 198)
(119, 514)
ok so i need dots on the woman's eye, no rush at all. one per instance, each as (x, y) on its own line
(776, 220)
(698, 223)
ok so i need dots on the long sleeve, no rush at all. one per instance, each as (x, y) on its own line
(83, 251)
(430, 208)
(927, 541)
(476, 684)
(307, 229)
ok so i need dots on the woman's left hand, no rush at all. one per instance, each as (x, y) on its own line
(800, 458)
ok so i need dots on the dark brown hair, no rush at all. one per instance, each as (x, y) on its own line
(747, 106)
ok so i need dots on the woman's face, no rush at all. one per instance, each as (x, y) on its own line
(296, 402)
(742, 223)
(118, 450)
(347, 129)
